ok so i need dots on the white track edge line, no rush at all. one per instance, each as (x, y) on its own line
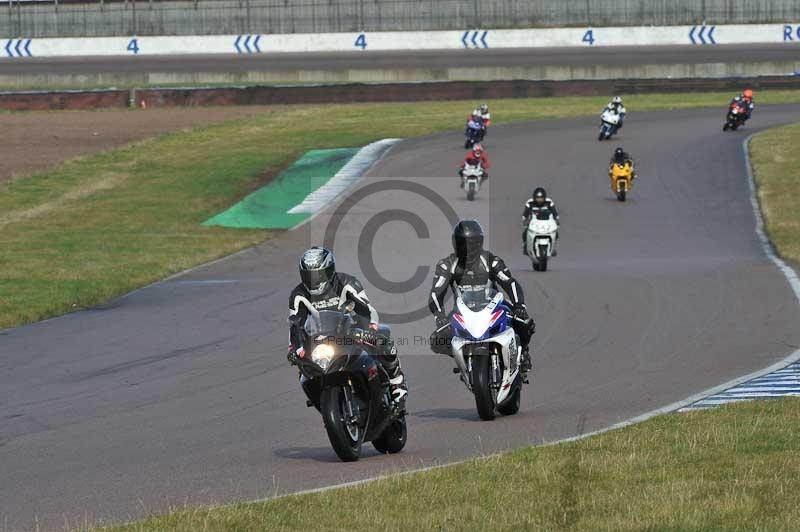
(385, 144)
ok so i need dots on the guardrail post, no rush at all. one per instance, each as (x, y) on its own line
(19, 19)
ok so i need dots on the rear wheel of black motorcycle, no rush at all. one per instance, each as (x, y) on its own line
(725, 127)
(346, 442)
(482, 386)
(511, 405)
(393, 438)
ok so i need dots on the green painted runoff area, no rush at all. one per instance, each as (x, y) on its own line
(267, 207)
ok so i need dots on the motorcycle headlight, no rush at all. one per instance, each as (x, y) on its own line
(322, 356)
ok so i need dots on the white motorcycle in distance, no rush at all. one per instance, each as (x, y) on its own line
(541, 240)
(608, 126)
(472, 177)
(487, 352)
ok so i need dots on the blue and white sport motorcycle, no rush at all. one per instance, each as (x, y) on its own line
(487, 351)
(609, 124)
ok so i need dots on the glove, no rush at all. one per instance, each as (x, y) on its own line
(521, 313)
(441, 321)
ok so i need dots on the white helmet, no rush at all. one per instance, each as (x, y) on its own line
(616, 99)
(484, 108)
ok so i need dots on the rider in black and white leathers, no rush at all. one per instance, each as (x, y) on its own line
(473, 271)
(538, 203)
(331, 292)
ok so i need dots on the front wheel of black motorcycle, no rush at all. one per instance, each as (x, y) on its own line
(393, 438)
(345, 435)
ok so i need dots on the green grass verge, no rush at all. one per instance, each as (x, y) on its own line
(776, 161)
(102, 225)
(734, 468)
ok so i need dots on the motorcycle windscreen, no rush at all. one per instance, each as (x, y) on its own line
(479, 312)
(325, 322)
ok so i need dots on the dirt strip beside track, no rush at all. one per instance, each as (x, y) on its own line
(37, 141)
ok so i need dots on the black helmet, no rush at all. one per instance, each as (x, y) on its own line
(539, 194)
(317, 269)
(468, 240)
(619, 155)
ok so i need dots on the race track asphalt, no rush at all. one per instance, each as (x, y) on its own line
(180, 392)
(621, 56)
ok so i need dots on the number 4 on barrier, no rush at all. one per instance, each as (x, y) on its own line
(361, 42)
(588, 37)
(133, 46)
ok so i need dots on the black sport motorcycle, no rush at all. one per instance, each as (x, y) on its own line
(348, 385)
(473, 133)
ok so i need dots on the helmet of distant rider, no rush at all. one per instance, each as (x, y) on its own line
(539, 196)
(477, 150)
(616, 100)
(468, 240)
(484, 108)
(317, 269)
(747, 95)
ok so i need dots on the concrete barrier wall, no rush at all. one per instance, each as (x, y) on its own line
(204, 17)
(691, 36)
(398, 92)
(708, 71)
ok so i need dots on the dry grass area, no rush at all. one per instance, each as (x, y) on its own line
(732, 468)
(39, 140)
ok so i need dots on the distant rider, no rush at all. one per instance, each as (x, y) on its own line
(539, 203)
(485, 116)
(747, 102)
(476, 156)
(622, 157)
(475, 121)
(615, 105)
(471, 268)
(323, 288)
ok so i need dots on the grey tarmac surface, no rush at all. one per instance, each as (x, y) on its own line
(180, 393)
(266, 62)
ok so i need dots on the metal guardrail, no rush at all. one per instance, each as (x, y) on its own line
(89, 18)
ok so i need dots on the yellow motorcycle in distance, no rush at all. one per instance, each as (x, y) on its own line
(621, 179)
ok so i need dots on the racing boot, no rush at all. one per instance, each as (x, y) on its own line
(399, 390)
(525, 364)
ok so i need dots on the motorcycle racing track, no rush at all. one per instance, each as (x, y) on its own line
(180, 392)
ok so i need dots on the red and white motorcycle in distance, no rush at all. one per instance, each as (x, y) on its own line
(736, 117)
(487, 352)
(472, 176)
(540, 240)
